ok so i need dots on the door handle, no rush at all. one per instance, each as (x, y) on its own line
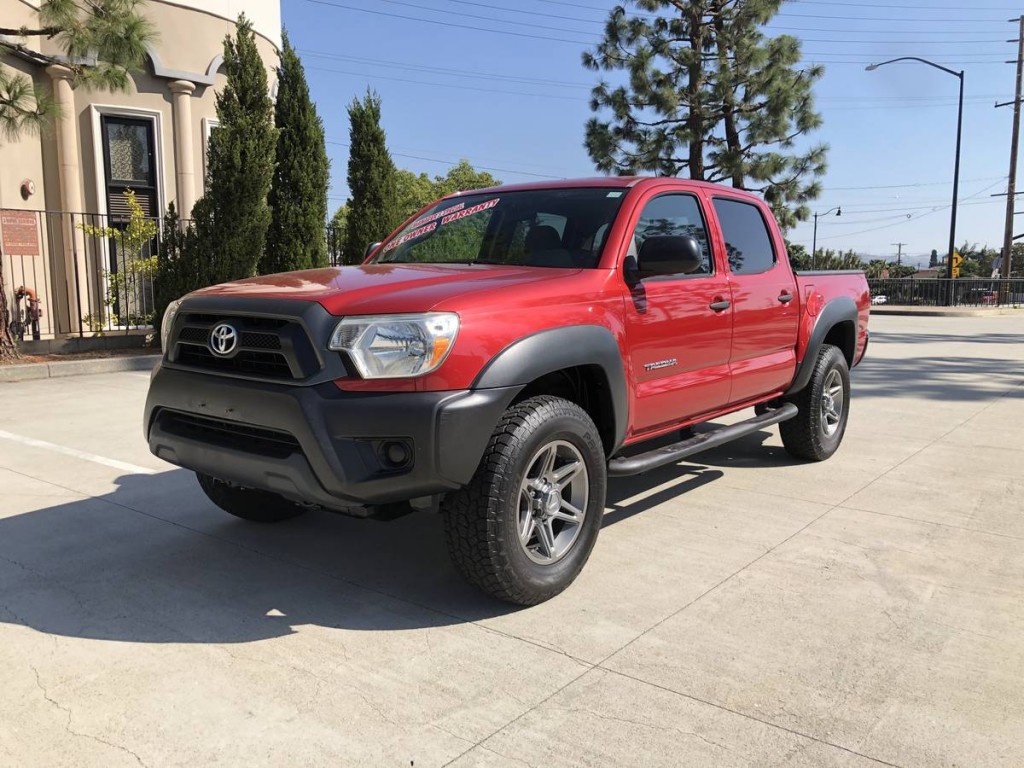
(720, 306)
(785, 297)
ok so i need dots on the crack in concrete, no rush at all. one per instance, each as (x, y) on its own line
(80, 734)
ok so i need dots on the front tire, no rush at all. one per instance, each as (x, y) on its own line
(524, 526)
(247, 503)
(824, 407)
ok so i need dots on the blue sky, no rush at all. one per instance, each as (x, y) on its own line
(514, 100)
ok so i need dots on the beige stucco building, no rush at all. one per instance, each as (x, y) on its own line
(151, 139)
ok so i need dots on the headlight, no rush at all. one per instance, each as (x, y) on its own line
(396, 346)
(168, 322)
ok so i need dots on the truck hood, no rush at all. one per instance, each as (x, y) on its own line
(385, 288)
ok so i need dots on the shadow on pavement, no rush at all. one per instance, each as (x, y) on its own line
(886, 337)
(155, 562)
(949, 379)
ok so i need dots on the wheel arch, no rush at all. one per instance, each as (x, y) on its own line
(582, 363)
(837, 326)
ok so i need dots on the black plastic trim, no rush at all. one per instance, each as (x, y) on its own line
(556, 349)
(839, 310)
(827, 272)
(669, 454)
(339, 434)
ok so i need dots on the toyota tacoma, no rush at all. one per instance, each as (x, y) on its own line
(501, 355)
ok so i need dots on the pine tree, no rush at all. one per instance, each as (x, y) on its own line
(372, 209)
(109, 34)
(298, 193)
(233, 217)
(710, 95)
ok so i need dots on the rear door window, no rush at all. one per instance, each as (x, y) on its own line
(748, 242)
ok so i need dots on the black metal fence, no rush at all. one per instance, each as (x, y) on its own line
(939, 292)
(83, 276)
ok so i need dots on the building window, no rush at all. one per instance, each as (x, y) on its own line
(129, 159)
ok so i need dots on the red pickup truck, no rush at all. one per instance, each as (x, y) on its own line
(499, 356)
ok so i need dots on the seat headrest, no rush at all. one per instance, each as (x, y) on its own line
(543, 238)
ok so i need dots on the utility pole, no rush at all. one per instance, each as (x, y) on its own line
(1006, 265)
(899, 253)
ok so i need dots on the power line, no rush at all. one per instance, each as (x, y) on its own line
(860, 101)
(462, 72)
(790, 14)
(560, 29)
(456, 162)
(922, 215)
(910, 7)
(447, 23)
(465, 15)
(449, 85)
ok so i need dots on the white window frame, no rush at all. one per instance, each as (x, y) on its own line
(96, 113)
(209, 123)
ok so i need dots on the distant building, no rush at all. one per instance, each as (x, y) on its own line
(151, 139)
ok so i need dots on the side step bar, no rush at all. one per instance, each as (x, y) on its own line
(669, 454)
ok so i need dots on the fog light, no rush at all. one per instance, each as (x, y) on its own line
(396, 454)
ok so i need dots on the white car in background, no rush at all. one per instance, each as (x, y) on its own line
(880, 299)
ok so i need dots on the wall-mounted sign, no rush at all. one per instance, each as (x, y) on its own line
(19, 233)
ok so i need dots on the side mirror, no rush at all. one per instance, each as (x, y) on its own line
(371, 248)
(670, 255)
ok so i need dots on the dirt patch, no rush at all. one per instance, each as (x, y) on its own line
(92, 355)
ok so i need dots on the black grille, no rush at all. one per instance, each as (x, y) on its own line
(260, 340)
(249, 339)
(229, 434)
(194, 335)
(272, 365)
(268, 347)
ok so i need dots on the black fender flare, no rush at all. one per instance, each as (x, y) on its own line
(544, 352)
(839, 310)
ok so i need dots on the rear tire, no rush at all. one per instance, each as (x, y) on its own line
(247, 503)
(817, 430)
(524, 526)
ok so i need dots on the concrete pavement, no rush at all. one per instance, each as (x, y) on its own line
(744, 611)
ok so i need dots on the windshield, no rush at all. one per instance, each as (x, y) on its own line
(537, 228)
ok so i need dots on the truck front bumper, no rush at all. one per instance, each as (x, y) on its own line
(319, 444)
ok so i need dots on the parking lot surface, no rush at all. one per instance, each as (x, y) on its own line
(746, 610)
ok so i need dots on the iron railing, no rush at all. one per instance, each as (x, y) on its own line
(84, 281)
(938, 292)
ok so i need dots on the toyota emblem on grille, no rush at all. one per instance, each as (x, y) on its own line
(223, 339)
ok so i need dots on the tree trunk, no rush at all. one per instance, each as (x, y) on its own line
(734, 152)
(695, 120)
(8, 349)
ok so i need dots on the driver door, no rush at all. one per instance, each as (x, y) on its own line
(679, 326)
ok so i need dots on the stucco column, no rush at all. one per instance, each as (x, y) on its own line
(184, 156)
(69, 164)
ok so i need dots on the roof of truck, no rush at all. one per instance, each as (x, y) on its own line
(611, 182)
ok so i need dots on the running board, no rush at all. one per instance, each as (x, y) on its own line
(669, 454)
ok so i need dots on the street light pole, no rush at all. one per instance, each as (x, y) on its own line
(814, 242)
(956, 168)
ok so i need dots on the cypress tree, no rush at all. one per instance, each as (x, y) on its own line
(233, 217)
(179, 270)
(707, 93)
(372, 209)
(298, 193)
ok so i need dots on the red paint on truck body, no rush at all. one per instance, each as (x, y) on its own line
(725, 360)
